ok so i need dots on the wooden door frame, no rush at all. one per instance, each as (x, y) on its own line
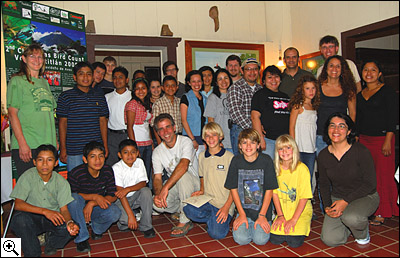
(93, 40)
(375, 30)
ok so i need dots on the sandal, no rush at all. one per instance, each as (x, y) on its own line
(185, 228)
(377, 222)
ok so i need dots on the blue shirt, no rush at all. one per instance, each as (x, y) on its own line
(83, 111)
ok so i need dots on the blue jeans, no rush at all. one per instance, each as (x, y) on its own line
(244, 236)
(235, 131)
(101, 219)
(270, 148)
(28, 226)
(207, 214)
(309, 160)
(74, 161)
(146, 153)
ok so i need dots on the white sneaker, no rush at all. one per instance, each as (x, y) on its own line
(155, 213)
(138, 215)
(364, 241)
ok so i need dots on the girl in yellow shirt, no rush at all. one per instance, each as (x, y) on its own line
(292, 199)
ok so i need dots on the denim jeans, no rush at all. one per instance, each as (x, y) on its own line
(244, 236)
(73, 161)
(207, 214)
(235, 131)
(292, 241)
(309, 160)
(270, 148)
(146, 153)
(101, 219)
(28, 226)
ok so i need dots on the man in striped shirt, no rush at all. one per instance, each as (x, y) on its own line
(82, 117)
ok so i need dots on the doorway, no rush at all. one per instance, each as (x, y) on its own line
(378, 40)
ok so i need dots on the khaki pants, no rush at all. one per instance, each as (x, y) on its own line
(182, 190)
(354, 220)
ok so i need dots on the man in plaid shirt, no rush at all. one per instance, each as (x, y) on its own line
(239, 99)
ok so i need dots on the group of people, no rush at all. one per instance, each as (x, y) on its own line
(249, 147)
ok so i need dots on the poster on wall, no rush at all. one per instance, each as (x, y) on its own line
(60, 33)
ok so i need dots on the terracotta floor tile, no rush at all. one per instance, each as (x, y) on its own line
(220, 253)
(101, 247)
(186, 251)
(318, 243)
(244, 250)
(154, 247)
(210, 246)
(166, 253)
(178, 242)
(318, 254)
(391, 233)
(393, 248)
(142, 240)
(281, 252)
(199, 238)
(130, 251)
(125, 243)
(304, 249)
(341, 251)
(103, 254)
(380, 240)
(381, 253)
(228, 241)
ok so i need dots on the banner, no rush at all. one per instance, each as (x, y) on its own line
(60, 33)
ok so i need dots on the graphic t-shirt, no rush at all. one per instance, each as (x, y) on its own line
(252, 179)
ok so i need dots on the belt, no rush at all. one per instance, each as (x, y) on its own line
(118, 131)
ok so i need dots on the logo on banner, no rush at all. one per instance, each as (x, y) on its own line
(40, 8)
(26, 13)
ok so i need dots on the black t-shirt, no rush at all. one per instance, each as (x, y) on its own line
(252, 179)
(273, 107)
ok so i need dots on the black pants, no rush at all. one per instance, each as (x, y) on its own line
(28, 226)
(293, 241)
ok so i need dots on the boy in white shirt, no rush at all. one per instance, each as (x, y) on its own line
(130, 179)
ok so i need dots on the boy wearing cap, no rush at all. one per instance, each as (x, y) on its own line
(239, 99)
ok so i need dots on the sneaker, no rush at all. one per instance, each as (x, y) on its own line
(49, 250)
(364, 241)
(138, 215)
(149, 233)
(96, 236)
(155, 213)
(83, 247)
(42, 239)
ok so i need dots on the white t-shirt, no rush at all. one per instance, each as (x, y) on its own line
(168, 158)
(128, 176)
(116, 105)
(352, 67)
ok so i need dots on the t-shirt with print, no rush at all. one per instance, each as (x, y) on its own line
(294, 186)
(252, 179)
(168, 158)
(273, 107)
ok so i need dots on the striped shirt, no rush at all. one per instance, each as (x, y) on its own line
(81, 181)
(83, 111)
(239, 102)
(164, 105)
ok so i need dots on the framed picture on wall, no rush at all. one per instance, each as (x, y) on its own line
(153, 72)
(311, 62)
(214, 54)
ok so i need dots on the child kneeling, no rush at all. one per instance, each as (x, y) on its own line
(213, 168)
(251, 180)
(292, 199)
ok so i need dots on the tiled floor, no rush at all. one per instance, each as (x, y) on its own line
(384, 243)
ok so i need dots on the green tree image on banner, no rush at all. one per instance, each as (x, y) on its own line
(59, 32)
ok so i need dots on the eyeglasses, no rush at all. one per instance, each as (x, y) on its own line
(251, 69)
(328, 47)
(35, 57)
(339, 126)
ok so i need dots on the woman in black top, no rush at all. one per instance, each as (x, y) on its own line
(377, 115)
(347, 182)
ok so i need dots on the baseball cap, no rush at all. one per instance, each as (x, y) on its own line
(250, 60)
